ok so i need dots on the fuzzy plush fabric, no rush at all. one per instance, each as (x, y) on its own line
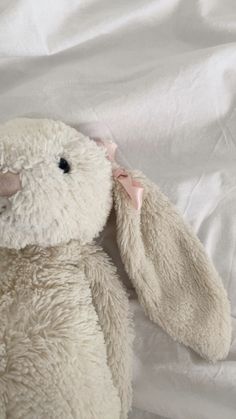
(111, 303)
(175, 281)
(52, 353)
(65, 331)
(53, 207)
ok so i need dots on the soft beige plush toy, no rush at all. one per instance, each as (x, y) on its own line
(65, 335)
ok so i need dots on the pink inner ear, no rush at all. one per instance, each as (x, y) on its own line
(9, 184)
(110, 148)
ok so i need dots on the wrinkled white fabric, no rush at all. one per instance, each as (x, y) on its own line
(161, 74)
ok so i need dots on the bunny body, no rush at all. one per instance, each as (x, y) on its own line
(65, 330)
(53, 356)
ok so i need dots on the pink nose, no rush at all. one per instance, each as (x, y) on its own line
(9, 184)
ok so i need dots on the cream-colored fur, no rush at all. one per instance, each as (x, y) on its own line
(111, 303)
(53, 208)
(53, 358)
(175, 281)
(65, 331)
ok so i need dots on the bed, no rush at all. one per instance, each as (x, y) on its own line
(161, 75)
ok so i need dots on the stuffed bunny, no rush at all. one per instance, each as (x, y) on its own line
(65, 330)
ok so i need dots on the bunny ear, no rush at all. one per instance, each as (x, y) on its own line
(176, 283)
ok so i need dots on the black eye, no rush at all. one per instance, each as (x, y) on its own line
(64, 165)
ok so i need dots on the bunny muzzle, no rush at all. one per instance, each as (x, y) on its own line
(9, 185)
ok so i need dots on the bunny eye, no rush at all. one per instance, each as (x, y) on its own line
(64, 165)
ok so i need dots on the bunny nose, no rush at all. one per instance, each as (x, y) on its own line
(9, 184)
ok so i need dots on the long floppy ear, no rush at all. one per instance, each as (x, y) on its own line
(176, 283)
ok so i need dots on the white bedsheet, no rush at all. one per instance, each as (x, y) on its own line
(161, 74)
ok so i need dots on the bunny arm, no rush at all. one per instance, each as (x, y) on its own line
(112, 307)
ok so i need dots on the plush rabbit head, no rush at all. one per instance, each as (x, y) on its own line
(57, 185)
